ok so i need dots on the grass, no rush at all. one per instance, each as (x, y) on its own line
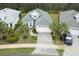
(23, 14)
(29, 40)
(59, 43)
(3, 42)
(54, 17)
(16, 51)
(60, 51)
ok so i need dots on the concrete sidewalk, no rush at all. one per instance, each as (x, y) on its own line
(28, 46)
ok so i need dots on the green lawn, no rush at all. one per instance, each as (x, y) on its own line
(60, 51)
(23, 14)
(16, 51)
(54, 17)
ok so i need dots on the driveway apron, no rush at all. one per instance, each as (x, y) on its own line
(44, 38)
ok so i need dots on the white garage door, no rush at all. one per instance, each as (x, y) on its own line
(74, 32)
(43, 29)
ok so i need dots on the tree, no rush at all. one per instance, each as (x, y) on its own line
(58, 29)
(3, 30)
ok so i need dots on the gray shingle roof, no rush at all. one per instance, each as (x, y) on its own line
(27, 18)
(68, 18)
(44, 18)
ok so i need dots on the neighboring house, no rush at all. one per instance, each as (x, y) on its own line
(71, 18)
(9, 16)
(39, 19)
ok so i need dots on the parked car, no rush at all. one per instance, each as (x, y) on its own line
(67, 38)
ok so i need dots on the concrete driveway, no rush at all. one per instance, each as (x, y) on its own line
(44, 38)
(74, 49)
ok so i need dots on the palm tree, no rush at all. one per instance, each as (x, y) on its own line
(63, 28)
(58, 29)
(3, 29)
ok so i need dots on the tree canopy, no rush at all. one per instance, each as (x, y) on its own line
(25, 7)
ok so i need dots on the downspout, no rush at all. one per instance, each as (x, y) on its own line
(34, 23)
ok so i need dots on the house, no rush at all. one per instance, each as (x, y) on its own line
(77, 17)
(71, 18)
(9, 16)
(39, 19)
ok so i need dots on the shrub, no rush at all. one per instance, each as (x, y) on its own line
(4, 37)
(34, 31)
(25, 37)
(34, 37)
(12, 38)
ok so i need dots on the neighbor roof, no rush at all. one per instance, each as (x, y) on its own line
(77, 15)
(9, 15)
(68, 18)
(43, 19)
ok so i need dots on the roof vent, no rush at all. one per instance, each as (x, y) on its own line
(35, 15)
